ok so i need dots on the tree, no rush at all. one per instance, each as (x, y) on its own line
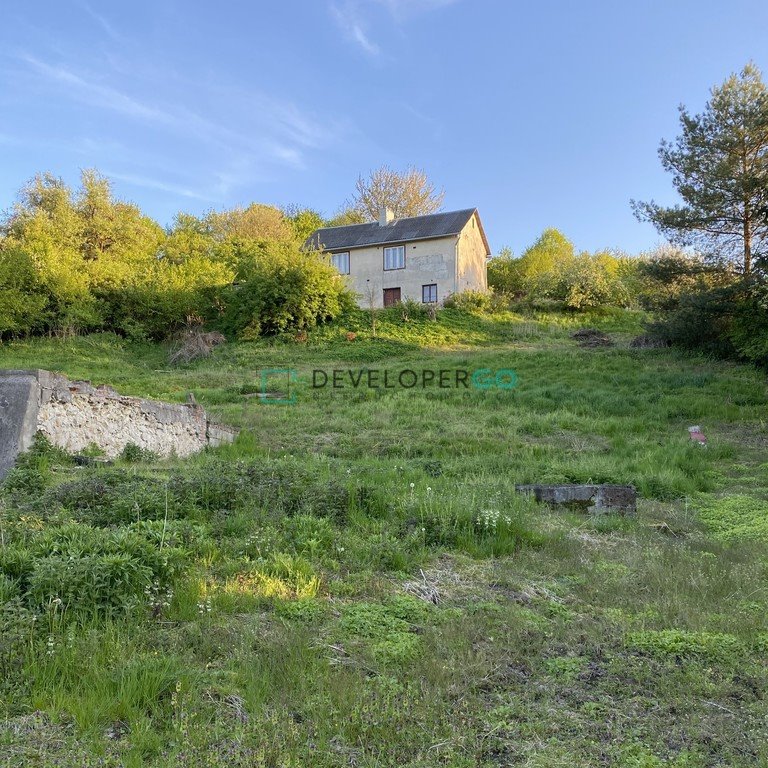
(346, 216)
(45, 225)
(303, 220)
(409, 193)
(256, 222)
(504, 273)
(719, 166)
(541, 264)
(591, 281)
(23, 300)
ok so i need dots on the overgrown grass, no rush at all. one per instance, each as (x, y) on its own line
(355, 581)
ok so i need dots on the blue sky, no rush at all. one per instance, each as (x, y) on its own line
(540, 114)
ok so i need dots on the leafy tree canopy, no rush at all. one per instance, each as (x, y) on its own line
(719, 167)
(406, 193)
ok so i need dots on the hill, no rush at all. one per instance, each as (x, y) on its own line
(355, 582)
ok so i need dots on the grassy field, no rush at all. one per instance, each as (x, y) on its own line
(355, 582)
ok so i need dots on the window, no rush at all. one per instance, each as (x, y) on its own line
(429, 294)
(394, 257)
(341, 262)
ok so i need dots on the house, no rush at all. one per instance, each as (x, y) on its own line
(423, 258)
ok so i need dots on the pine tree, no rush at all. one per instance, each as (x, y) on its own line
(719, 166)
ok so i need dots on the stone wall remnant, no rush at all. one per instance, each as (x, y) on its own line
(76, 415)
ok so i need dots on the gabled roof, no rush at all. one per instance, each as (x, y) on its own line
(397, 231)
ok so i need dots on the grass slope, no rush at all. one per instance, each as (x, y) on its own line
(355, 582)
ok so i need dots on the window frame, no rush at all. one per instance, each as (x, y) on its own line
(341, 253)
(430, 286)
(386, 248)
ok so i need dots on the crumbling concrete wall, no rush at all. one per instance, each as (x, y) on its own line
(587, 498)
(75, 415)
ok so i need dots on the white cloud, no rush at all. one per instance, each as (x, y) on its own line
(150, 183)
(103, 22)
(268, 131)
(401, 9)
(351, 23)
(95, 93)
(352, 17)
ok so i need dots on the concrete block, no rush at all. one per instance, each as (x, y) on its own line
(19, 404)
(595, 499)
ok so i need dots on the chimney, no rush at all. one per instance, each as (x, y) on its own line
(385, 216)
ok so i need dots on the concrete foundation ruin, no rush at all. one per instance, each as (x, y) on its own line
(75, 415)
(595, 499)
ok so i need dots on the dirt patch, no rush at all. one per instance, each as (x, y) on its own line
(591, 338)
(648, 342)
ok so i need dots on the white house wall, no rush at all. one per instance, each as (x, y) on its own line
(426, 262)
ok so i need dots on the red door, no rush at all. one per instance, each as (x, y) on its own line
(391, 296)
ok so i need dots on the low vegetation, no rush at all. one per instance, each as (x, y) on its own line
(355, 580)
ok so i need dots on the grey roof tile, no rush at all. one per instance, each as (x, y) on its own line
(397, 231)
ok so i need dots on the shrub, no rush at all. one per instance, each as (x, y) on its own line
(542, 263)
(749, 327)
(668, 274)
(110, 498)
(414, 310)
(133, 454)
(90, 570)
(505, 274)
(23, 299)
(32, 473)
(91, 583)
(700, 320)
(588, 282)
(16, 565)
(286, 289)
(471, 301)
(9, 589)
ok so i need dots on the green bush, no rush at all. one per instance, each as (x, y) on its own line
(551, 271)
(23, 299)
(110, 498)
(32, 472)
(164, 297)
(668, 274)
(471, 301)
(749, 326)
(89, 570)
(505, 274)
(286, 290)
(16, 565)
(701, 320)
(590, 282)
(9, 589)
(89, 584)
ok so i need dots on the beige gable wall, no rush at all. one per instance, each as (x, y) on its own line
(472, 272)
